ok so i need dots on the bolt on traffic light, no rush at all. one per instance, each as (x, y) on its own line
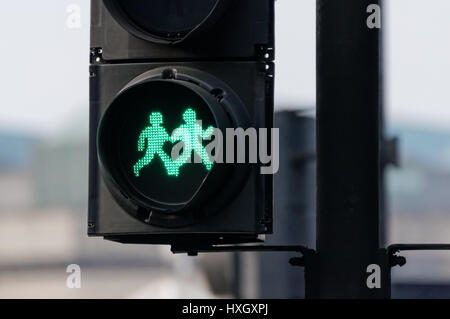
(165, 75)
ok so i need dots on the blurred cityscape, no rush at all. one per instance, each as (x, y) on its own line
(419, 208)
(43, 182)
(43, 211)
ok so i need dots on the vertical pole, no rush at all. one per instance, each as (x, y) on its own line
(348, 101)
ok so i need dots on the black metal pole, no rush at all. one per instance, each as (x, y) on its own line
(348, 101)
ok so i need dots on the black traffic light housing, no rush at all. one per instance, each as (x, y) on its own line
(241, 30)
(226, 57)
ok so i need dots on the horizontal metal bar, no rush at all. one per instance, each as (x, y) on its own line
(236, 248)
(395, 248)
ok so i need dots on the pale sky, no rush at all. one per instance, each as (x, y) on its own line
(44, 65)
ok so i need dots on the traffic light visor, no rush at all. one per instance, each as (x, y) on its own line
(164, 20)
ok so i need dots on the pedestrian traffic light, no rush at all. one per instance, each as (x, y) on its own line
(166, 77)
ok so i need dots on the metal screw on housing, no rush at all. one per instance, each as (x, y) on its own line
(168, 74)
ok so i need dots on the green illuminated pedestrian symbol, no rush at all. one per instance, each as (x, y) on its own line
(153, 138)
(192, 135)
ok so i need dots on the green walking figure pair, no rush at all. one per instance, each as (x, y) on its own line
(153, 138)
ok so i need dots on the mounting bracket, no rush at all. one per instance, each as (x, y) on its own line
(394, 250)
(295, 261)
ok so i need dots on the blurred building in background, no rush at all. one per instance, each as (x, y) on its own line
(269, 275)
(15, 171)
(419, 203)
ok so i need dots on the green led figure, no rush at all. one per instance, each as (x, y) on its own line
(152, 140)
(192, 135)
